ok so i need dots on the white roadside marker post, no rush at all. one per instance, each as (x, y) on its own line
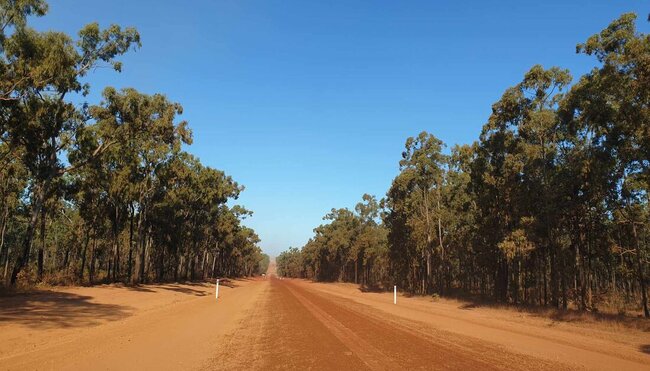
(395, 294)
(216, 295)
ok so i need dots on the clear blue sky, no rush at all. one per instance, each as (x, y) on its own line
(308, 104)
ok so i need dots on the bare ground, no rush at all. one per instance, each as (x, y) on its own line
(294, 324)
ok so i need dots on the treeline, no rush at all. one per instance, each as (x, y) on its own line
(103, 192)
(351, 247)
(548, 207)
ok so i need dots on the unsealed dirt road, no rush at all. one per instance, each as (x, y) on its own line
(292, 324)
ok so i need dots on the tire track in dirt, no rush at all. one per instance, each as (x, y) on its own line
(562, 350)
(281, 333)
(455, 347)
(233, 342)
(370, 355)
(413, 349)
(510, 329)
(293, 325)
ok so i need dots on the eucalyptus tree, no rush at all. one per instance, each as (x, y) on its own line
(44, 122)
(13, 180)
(608, 111)
(186, 209)
(415, 216)
(263, 264)
(461, 229)
(512, 177)
(247, 252)
(349, 243)
(370, 243)
(90, 201)
(550, 206)
(105, 175)
(214, 188)
(225, 237)
(290, 263)
(13, 19)
(148, 135)
(339, 237)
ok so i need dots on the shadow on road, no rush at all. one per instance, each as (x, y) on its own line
(47, 309)
(181, 288)
(563, 315)
(228, 283)
(645, 348)
(365, 289)
(139, 288)
(184, 290)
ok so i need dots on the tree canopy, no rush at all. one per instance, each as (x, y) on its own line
(548, 207)
(103, 192)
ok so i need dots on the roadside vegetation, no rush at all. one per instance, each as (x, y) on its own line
(103, 191)
(549, 207)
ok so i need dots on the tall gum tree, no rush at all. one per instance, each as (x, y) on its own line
(51, 67)
(145, 129)
(511, 175)
(609, 110)
(416, 193)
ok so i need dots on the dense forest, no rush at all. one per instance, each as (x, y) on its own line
(549, 206)
(103, 192)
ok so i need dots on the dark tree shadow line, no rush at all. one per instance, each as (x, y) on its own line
(52, 309)
(48, 309)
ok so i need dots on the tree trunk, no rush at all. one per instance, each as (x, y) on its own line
(23, 258)
(5, 221)
(214, 264)
(142, 243)
(91, 267)
(41, 249)
(6, 269)
(83, 255)
(147, 253)
(66, 256)
(203, 262)
(545, 279)
(554, 280)
(644, 292)
(130, 263)
(116, 243)
(161, 266)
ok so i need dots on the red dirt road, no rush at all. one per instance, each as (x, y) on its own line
(292, 324)
(302, 325)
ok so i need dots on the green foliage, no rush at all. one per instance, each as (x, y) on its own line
(549, 206)
(348, 248)
(104, 191)
(289, 263)
(263, 264)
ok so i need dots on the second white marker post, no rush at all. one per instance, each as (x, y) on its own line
(395, 294)
(216, 294)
